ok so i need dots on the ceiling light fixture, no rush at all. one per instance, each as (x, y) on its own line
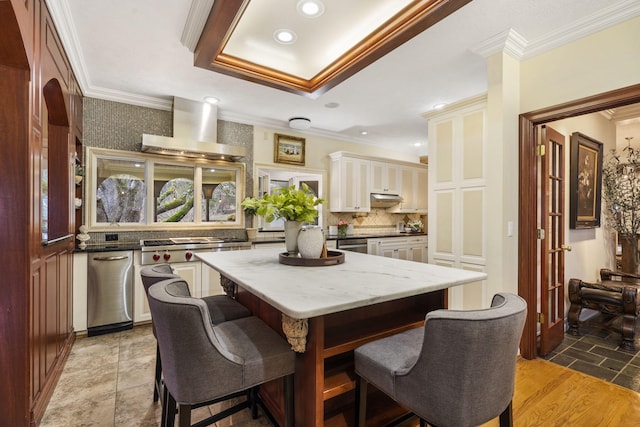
(310, 8)
(439, 106)
(211, 100)
(364, 132)
(299, 123)
(285, 36)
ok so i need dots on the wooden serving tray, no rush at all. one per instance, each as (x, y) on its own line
(333, 258)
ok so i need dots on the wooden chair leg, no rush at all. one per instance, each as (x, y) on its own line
(361, 402)
(184, 415)
(168, 410)
(289, 416)
(506, 417)
(157, 387)
(252, 396)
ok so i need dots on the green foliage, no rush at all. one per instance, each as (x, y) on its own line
(289, 203)
(621, 191)
(250, 205)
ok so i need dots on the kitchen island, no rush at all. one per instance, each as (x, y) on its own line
(326, 312)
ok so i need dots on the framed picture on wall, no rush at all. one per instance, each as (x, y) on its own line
(288, 149)
(586, 182)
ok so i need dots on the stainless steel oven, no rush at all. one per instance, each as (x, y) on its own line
(353, 245)
(181, 249)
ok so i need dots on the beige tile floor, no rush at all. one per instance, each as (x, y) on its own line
(108, 382)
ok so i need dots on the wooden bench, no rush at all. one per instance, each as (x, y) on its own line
(616, 294)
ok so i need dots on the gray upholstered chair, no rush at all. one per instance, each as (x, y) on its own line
(457, 370)
(204, 363)
(221, 309)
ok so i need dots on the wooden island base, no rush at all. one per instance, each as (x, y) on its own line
(324, 378)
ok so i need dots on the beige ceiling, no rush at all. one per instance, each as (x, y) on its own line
(320, 41)
(239, 38)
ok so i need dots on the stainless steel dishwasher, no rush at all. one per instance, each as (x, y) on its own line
(109, 292)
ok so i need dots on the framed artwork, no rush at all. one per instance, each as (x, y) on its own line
(586, 181)
(288, 149)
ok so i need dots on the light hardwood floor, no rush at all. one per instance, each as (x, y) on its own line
(107, 381)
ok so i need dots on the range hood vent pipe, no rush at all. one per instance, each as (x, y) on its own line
(195, 128)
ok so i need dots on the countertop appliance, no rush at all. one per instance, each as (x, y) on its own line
(354, 245)
(181, 249)
(109, 292)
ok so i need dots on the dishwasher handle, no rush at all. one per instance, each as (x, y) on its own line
(110, 258)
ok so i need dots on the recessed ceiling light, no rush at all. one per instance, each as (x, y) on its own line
(364, 132)
(310, 8)
(439, 106)
(332, 105)
(417, 144)
(211, 100)
(285, 36)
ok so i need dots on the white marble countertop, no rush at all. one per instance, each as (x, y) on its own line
(304, 292)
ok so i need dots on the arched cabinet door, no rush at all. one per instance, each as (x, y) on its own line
(56, 166)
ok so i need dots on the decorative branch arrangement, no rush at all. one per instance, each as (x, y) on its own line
(621, 193)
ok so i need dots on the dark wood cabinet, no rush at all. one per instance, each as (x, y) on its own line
(41, 119)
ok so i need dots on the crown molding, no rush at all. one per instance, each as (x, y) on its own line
(508, 41)
(62, 18)
(514, 44)
(129, 98)
(197, 17)
(604, 18)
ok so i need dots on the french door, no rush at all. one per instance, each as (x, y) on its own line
(551, 237)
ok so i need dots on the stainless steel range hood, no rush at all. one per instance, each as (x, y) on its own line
(379, 200)
(195, 128)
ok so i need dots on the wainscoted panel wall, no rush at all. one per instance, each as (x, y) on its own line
(474, 294)
(473, 144)
(458, 143)
(444, 225)
(472, 220)
(444, 154)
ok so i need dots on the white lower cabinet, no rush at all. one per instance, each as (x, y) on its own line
(203, 281)
(412, 248)
(210, 283)
(80, 260)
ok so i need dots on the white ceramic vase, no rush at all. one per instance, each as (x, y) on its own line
(291, 231)
(310, 241)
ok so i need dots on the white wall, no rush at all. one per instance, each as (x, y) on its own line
(601, 62)
(317, 148)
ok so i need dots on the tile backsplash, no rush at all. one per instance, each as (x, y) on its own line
(376, 219)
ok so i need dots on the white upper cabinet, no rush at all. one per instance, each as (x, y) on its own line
(413, 189)
(385, 178)
(350, 179)
(354, 177)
